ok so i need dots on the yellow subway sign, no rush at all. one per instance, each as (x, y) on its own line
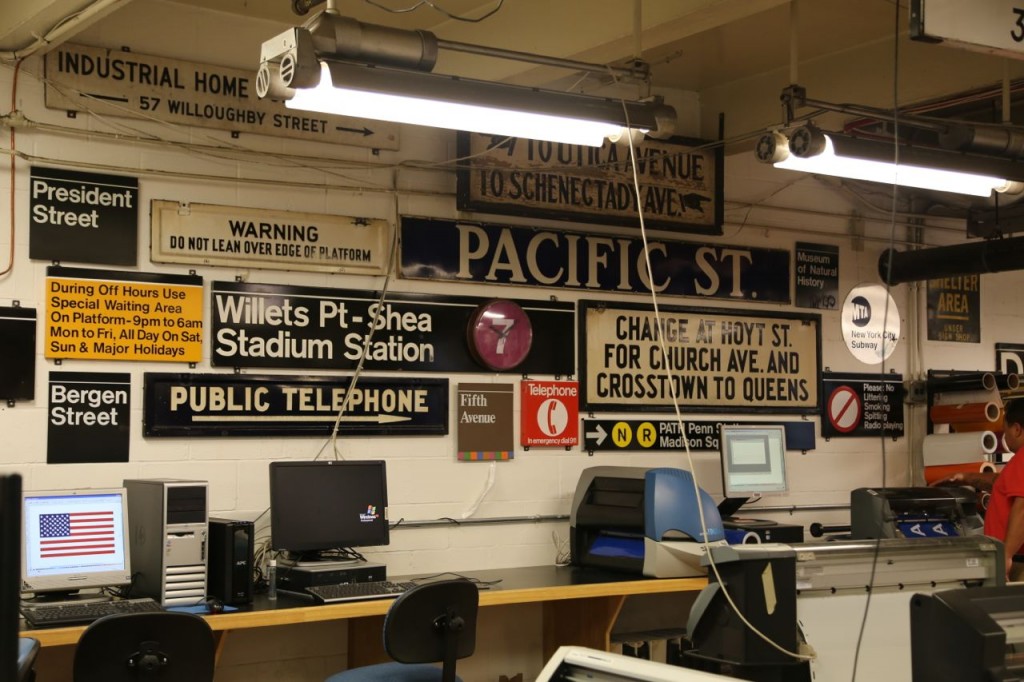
(111, 315)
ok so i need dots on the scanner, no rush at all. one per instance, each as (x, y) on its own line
(643, 521)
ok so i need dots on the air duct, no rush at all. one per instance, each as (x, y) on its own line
(992, 255)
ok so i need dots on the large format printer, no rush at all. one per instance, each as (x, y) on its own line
(877, 513)
(968, 635)
(850, 607)
(642, 521)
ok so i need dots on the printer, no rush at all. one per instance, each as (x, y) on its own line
(644, 521)
(877, 513)
(968, 634)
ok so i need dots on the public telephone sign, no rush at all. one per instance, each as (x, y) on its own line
(550, 413)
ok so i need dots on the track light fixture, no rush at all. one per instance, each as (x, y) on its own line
(811, 150)
(334, 64)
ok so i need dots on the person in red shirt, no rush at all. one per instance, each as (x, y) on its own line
(1004, 518)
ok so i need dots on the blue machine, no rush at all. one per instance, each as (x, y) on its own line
(642, 521)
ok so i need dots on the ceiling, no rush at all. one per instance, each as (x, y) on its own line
(730, 57)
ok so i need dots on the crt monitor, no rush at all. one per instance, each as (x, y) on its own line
(753, 460)
(320, 506)
(74, 540)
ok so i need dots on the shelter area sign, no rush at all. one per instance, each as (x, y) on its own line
(112, 315)
(204, 405)
(680, 181)
(954, 309)
(118, 83)
(715, 360)
(434, 248)
(208, 234)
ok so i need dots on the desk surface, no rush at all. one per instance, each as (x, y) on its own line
(518, 586)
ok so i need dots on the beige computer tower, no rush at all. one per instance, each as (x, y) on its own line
(168, 523)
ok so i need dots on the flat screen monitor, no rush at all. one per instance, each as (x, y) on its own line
(319, 506)
(74, 540)
(753, 460)
(10, 580)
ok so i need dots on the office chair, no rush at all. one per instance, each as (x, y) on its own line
(133, 647)
(430, 623)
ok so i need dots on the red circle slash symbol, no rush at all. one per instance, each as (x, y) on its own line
(844, 409)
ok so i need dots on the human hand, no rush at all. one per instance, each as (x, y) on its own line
(955, 479)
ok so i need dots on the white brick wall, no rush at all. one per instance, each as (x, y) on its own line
(426, 482)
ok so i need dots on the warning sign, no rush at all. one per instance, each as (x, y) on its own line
(550, 413)
(862, 405)
(108, 315)
(844, 409)
(209, 234)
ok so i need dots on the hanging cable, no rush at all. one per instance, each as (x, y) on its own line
(13, 153)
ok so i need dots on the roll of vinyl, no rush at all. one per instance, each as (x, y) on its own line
(751, 538)
(938, 473)
(965, 412)
(956, 448)
(964, 397)
(964, 381)
(1007, 382)
(996, 426)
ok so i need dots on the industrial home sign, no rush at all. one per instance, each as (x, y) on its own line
(507, 254)
(680, 181)
(119, 83)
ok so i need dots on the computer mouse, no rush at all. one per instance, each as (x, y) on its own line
(214, 605)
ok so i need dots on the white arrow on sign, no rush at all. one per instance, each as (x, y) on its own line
(600, 434)
(372, 418)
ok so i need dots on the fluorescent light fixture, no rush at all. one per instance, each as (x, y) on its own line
(829, 163)
(812, 151)
(337, 65)
(439, 101)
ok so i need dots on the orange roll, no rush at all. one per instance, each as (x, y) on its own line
(965, 413)
(938, 473)
(963, 427)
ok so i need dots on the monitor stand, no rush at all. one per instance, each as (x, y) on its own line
(64, 597)
(730, 505)
(313, 561)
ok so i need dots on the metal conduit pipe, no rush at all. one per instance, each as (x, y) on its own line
(1002, 141)
(993, 255)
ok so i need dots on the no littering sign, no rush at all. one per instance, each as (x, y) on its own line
(844, 409)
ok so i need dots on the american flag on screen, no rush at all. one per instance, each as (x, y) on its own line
(76, 534)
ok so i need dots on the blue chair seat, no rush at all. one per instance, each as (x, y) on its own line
(390, 672)
(429, 623)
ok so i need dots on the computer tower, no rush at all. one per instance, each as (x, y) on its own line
(168, 523)
(230, 562)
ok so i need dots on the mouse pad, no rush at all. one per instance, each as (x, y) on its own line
(200, 609)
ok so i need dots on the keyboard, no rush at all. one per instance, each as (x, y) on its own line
(57, 615)
(379, 589)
